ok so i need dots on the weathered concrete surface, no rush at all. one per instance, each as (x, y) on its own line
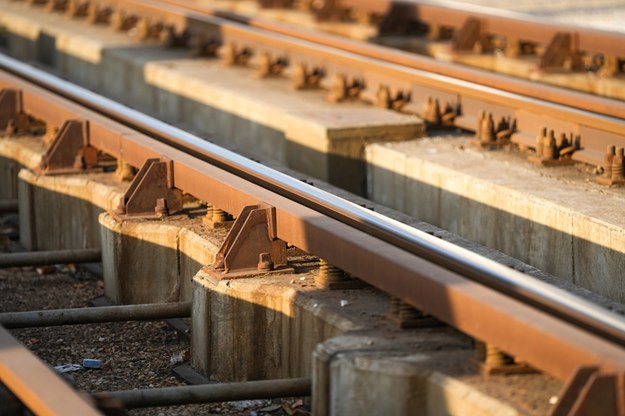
(56, 212)
(16, 153)
(554, 220)
(422, 370)
(298, 129)
(152, 261)
(60, 212)
(270, 325)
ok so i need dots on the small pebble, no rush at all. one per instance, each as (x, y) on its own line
(553, 400)
(344, 303)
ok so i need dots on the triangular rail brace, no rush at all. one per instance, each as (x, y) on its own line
(468, 35)
(70, 150)
(401, 19)
(12, 117)
(559, 50)
(151, 193)
(251, 247)
(591, 392)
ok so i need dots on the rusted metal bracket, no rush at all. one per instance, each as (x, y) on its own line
(492, 135)
(560, 53)
(401, 19)
(151, 193)
(70, 150)
(590, 392)
(76, 8)
(232, 54)
(55, 5)
(553, 152)
(251, 247)
(343, 88)
(471, 33)
(613, 167)
(269, 66)
(12, 117)
(395, 100)
(306, 78)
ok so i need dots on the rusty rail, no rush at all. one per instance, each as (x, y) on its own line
(492, 21)
(35, 384)
(440, 93)
(564, 336)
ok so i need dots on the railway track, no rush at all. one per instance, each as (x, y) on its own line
(554, 332)
(558, 124)
(561, 335)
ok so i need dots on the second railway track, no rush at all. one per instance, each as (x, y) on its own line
(275, 215)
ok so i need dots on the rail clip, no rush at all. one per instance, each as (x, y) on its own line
(152, 193)
(251, 247)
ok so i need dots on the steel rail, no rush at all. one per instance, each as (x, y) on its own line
(374, 248)
(496, 22)
(599, 121)
(35, 384)
(545, 92)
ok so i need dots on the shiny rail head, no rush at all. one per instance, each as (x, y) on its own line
(485, 271)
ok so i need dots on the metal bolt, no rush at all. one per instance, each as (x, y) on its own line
(408, 312)
(298, 78)
(540, 138)
(264, 65)
(338, 90)
(550, 147)
(617, 165)
(11, 128)
(161, 207)
(433, 111)
(394, 306)
(478, 128)
(79, 162)
(96, 14)
(124, 171)
(383, 97)
(495, 357)
(264, 262)
(607, 161)
(480, 351)
(121, 207)
(329, 274)
(488, 129)
(218, 215)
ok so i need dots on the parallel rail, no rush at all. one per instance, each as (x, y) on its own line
(494, 22)
(36, 384)
(553, 331)
(395, 79)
